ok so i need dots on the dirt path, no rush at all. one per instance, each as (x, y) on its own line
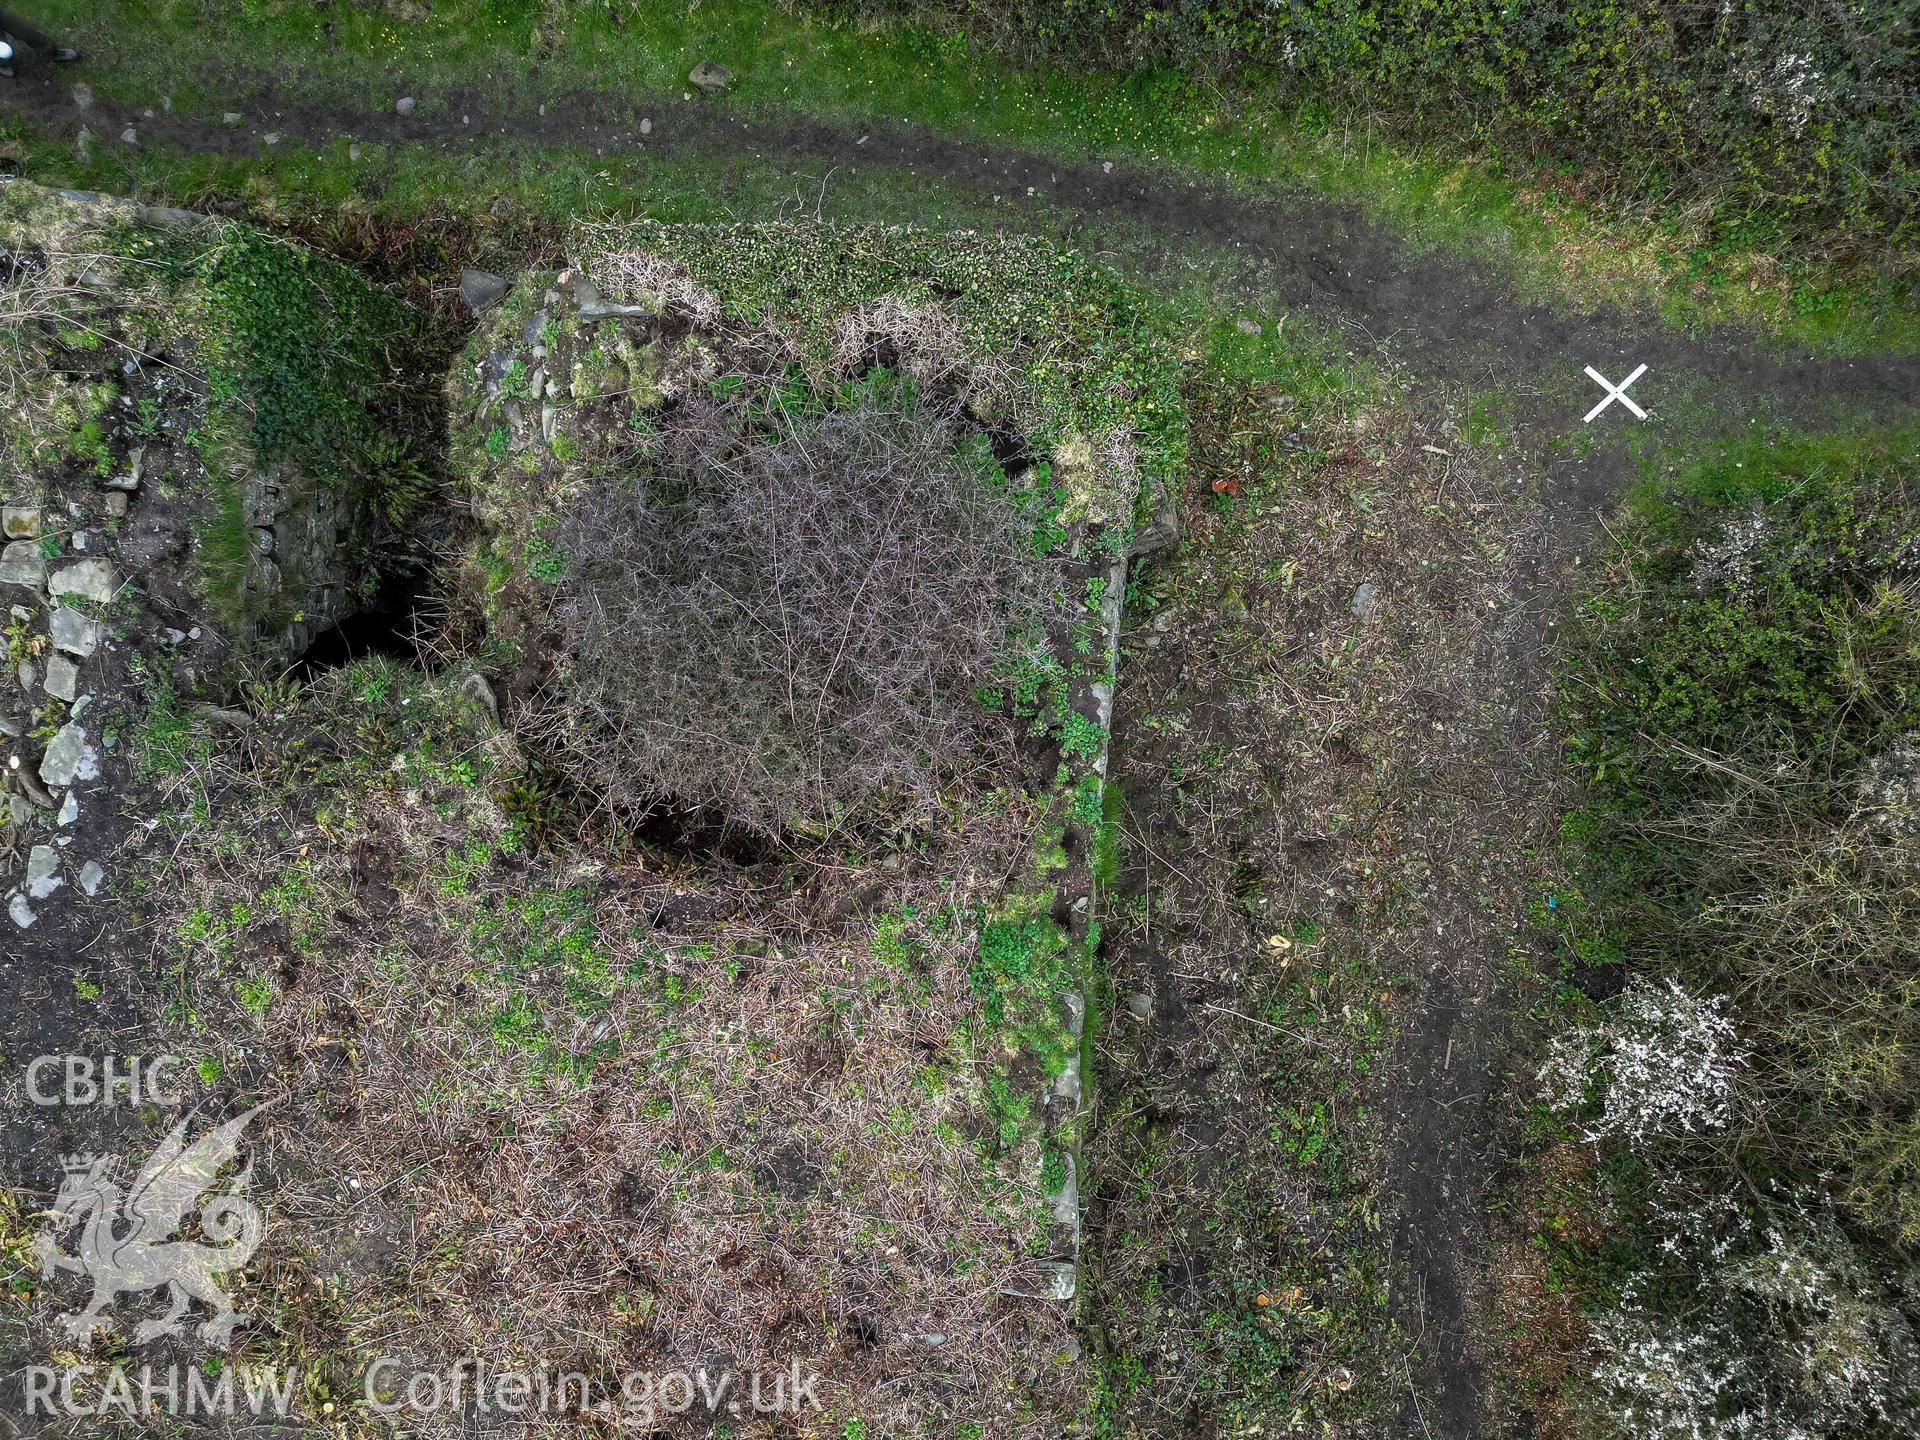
(1379, 789)
(1457, 317)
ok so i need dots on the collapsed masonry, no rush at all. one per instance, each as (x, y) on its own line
(580, 373)
(167, 535)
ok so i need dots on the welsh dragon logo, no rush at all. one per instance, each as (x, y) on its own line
(126, 1242)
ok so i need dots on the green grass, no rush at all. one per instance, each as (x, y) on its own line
(786, 65)
(1764, 461)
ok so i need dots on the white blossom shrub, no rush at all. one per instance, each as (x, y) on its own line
(1662, 1064)
(1793, 1338)
(1667, 1381)
(1727, 560)
(1889, 788)
(1837, 1344)
(1788, 87)
(1696, 1225)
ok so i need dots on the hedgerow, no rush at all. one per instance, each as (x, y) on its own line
(1743, 693)
(1779, 632)
(1746, 704)
(1812, 112)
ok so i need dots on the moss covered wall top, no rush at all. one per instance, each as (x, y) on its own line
(238, 388)
(1062, 346)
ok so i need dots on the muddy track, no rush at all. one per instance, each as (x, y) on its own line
(1457, 316)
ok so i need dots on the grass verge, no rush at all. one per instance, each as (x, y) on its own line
(1548, 241)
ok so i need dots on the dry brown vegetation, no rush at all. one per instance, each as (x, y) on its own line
(782, 607)
(608, 1111)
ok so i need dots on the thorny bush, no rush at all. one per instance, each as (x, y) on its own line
(1774, 1328)
(1663, 1061)
(783, 606)
(1744, 694)
(1745, 701)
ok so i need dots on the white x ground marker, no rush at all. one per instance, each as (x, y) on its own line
(1615, 392)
